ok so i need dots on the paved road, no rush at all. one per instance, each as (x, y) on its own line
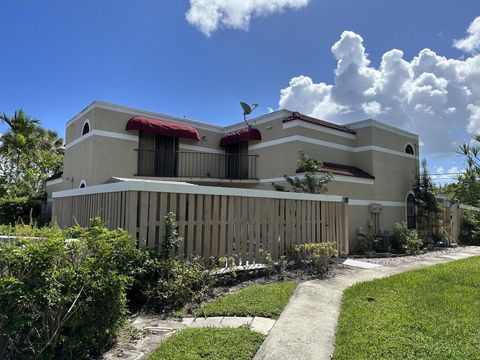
(306, 328)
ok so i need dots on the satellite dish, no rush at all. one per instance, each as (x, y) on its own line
(247, 110)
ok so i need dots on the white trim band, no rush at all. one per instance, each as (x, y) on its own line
(104, 133)
(358, 202)
(310, 140)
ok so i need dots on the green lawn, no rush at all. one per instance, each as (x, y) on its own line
(211, 344)
(433, 313)
(255, 300)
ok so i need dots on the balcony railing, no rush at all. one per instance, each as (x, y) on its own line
(160, 163)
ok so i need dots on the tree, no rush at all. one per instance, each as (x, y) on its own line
(467, 189)
(313, 181)
(425, 200)
(29, 154)
(472, 153)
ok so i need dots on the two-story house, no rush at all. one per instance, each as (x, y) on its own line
(373, 164)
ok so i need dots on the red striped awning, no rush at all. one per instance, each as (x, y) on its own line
(162, 127)
(240, 136)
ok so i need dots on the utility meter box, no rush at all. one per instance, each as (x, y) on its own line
(375, 208)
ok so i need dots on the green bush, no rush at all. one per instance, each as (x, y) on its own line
(366, 243)
(405, 238)
(470, 228)
(177, 282)
(315, 258)
(63, 298)
(19, 209)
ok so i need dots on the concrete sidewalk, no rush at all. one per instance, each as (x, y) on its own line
(306, 328)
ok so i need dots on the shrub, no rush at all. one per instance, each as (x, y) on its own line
(315, 258)
(177, 282)
(470, 228)
(63, 293)
(366, 243)
(171, 238)
(406, 239)
(19, 209)
(414, 243)
(62, 298)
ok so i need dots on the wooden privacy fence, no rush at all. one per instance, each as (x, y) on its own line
(212, 225)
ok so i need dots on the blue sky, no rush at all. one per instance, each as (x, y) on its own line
(58, 56)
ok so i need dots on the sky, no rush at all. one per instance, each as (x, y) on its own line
(411, 64)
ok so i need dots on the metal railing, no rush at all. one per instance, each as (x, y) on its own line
(160, 163)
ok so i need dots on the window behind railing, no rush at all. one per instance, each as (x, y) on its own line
(157, 155)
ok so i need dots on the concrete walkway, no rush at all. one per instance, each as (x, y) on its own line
(306, 328)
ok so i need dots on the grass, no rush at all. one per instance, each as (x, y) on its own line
(210, 343)
(255, 300)
(432, 313)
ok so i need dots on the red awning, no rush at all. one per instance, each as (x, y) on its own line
(239, 136)
(162, 127)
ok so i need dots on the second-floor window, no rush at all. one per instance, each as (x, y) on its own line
(237, 160)
(409, 149)
(157, 155)
(86, 128)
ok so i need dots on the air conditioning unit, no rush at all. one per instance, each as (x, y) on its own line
(361, 231)
(375, 208)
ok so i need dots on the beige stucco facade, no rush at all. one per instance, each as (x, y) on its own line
(108, 150)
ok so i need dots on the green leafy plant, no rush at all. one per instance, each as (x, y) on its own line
(282, 266)
(29, 154)
(171, 238)
(62, 297)
(315, 258)
(313, 180)
(407, 239)
(425, 199)
(14, 210)
(470, 228)
(268, 262)
(366, 243)
(176, 282)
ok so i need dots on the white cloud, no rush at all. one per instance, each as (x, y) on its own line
(372, 108)
(209, 15)
(434, 96)
(470, 43)
(474, 119)
(442, 177)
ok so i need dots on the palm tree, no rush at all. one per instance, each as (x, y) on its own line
(33, 153)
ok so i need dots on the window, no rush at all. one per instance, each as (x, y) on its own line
(86, 128)
(237, 160)
(411, 214)
(409, 149)
(157, 155)
(83, 184)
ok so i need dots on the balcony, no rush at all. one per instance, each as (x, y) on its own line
(189, 164)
